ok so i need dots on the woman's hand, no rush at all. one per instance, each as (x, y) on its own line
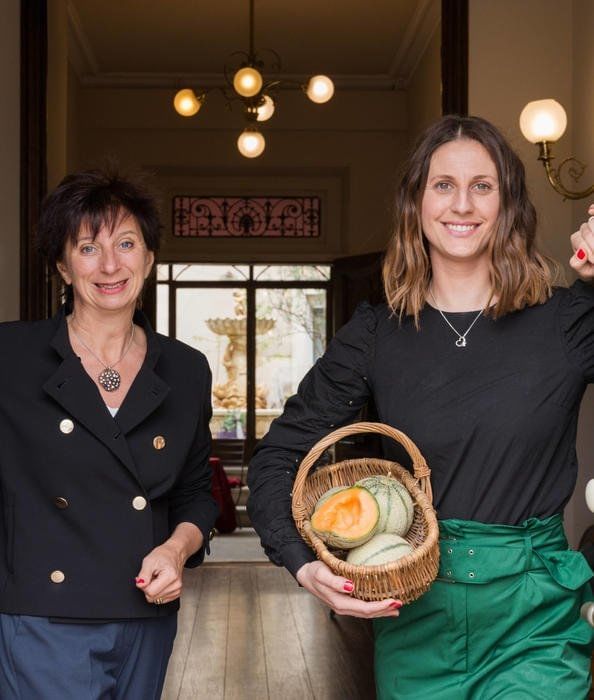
(160, 578)
(582, 241)
(335, 591)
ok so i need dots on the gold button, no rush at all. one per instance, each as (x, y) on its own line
(66, 426)
(158, 442)
(139, 503)
(60, 502)
(57, 576)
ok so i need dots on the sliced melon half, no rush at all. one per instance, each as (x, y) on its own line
(346, 517)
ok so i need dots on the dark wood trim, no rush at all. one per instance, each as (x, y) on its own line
(454, 57)
(35, 297)
(250, 417)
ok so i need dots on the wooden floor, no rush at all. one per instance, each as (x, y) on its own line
(247, 631)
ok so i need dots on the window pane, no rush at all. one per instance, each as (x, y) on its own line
(213, 321)
(210, 273)
(290, 273)
(163, 309)
(290, 337)
(162, 272)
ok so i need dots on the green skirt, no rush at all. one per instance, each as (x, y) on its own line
(502, 620)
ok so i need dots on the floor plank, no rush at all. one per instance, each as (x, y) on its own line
(185, 626)
(337, 670)
(247, 631)
(204, 673)
(245, 677)
(287, 673)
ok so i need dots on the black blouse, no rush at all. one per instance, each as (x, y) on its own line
(496, 420)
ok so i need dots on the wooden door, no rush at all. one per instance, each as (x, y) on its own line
(355, 279)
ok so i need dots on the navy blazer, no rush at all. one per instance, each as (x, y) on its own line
(85, 496)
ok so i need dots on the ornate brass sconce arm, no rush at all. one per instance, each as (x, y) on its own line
(575, 168)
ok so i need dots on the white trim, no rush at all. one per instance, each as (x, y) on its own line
(421, 29)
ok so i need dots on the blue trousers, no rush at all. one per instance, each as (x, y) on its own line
(44, 660)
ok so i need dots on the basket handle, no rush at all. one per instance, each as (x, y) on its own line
(420, 469)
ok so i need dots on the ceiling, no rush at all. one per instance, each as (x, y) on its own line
(369, 44)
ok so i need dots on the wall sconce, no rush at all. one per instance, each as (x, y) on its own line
(543, 122)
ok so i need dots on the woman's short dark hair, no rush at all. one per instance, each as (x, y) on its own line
(95, 198)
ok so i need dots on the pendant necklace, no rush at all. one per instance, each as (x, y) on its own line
(461, 340)
(109, 378)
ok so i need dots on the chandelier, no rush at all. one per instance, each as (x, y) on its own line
(247, 84)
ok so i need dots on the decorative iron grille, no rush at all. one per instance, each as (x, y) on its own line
(246, 217)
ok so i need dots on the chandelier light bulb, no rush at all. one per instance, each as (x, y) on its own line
(251, 143)
(265, 110)
(320, 89)
(543, 120)
(247, 82)
(186, 103)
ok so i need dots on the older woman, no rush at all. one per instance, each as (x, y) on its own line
(104, 476)
(483, 362)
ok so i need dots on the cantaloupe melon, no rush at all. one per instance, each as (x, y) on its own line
(395, 504)
(345, 517)
(380, 549)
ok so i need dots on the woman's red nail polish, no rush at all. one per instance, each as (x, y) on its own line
(348, 587)
(581, 254)
(139, 580)
(396, 604)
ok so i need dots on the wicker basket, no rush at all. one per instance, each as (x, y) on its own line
(408, 577)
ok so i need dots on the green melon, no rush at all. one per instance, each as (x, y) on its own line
(396, 506)
(382, 548)
(345, 517)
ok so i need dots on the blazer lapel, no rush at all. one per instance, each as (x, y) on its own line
(75, 391)
(148, 390)
(144, 396)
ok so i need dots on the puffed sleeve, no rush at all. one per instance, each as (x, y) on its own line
(330, 395)
(191, 498)
(577, 326)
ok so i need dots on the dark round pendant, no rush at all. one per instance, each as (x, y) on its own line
(109, 379)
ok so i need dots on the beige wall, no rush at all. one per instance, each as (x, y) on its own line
(9, 160)
(582, 146)
(424, 91)
(522, 51)
(356, 141)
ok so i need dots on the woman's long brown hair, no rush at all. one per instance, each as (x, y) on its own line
(520, 275)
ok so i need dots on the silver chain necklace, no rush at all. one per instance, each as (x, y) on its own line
(109, 378)
(461, 340)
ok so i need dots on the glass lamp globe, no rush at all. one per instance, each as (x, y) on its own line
(247, 82)
(543, 120)
(265, 110)
(186, 103)
(320, 89)
(251, 143)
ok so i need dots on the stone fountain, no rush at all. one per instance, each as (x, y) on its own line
(232, 393)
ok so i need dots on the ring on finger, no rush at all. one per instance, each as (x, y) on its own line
(158, 601)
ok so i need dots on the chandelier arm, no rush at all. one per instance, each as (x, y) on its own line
(276, 63)
(554, 174)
